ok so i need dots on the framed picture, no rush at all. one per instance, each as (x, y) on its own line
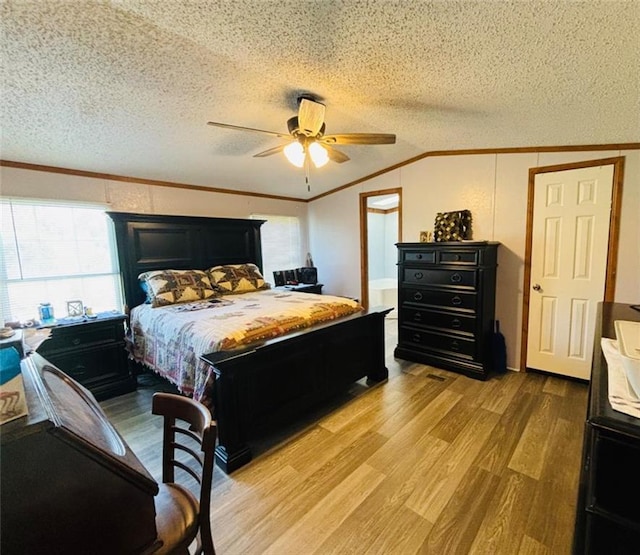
(452, 226)
(75, 308)
(425, 236)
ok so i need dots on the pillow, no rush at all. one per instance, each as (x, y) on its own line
(237, 278)
(145, 288)
(165, 287)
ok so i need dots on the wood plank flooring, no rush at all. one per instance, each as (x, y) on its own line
(430, 462)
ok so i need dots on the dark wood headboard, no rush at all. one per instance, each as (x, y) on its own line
(153, 242)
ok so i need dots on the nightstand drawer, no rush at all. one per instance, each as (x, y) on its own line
(456, 346)
(441, 278)
(91, 367)
(81, 336)
(456, 323)
(440, 299)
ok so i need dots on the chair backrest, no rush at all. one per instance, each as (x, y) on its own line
(201, 431)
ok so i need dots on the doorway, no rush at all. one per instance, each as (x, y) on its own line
(380, 230)
(570, 262)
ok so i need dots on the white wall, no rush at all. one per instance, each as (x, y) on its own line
(148, 199)
(390, 240)
(494, 188)
(382, 232)
(375, 238)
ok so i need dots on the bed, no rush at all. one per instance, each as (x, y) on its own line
(273, 380)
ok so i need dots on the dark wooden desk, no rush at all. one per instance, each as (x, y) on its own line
(70, 483)
(608, 512)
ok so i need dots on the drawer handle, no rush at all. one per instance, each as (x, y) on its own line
(456, 301)
(79, 370)
(455, 323)
(419, 256)
(456, 257)
(75, 341)
(417, 317)
(417, 296)
(416, 337)
(455, 346)
(418, 275)
(456, 278)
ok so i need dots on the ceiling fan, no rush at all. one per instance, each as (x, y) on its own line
(306, 140)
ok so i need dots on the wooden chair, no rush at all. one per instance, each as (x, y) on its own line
(180, 517)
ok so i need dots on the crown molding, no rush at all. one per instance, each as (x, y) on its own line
(433, 153)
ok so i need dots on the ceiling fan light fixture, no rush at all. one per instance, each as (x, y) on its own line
(295, 154)
(319, 155)
(307, 142)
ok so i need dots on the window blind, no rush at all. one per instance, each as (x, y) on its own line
(281, 243)
(55, 252)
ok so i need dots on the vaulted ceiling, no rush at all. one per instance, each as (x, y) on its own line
(126, 87)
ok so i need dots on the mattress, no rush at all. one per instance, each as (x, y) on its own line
(170, 340)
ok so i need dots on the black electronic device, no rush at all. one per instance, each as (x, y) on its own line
(307, 275)
(290, 277)
(278, 278)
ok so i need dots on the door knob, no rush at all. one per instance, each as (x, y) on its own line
(537, 287)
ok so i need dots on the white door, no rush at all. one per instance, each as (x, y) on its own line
(571, 213)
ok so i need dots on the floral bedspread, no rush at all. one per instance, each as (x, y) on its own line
(170, 339)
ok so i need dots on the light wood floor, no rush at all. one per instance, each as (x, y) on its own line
(429, 462)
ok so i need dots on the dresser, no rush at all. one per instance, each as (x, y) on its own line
(608, 512)
(446, 305)
(92, 352)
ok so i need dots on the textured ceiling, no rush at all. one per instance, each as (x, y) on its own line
(126, 87)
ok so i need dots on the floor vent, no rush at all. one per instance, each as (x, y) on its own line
(434, 377)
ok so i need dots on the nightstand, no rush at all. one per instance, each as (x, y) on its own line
(92, 352)
(302, 288)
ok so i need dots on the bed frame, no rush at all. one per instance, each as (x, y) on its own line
(268, 384)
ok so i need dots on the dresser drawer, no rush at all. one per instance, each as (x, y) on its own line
(452, 300)
(81, 336)
(459, 257)
(440, 278)
(456, 346)
(423, 256)
(456, 323)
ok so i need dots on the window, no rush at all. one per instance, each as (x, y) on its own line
(56, 253)
(281, 243)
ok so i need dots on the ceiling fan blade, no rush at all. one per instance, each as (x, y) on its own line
(310, 117)
(270, 151)
(239, 128)
(335, 155)
(359, 139)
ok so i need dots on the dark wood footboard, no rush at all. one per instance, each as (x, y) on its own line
(275, 382)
